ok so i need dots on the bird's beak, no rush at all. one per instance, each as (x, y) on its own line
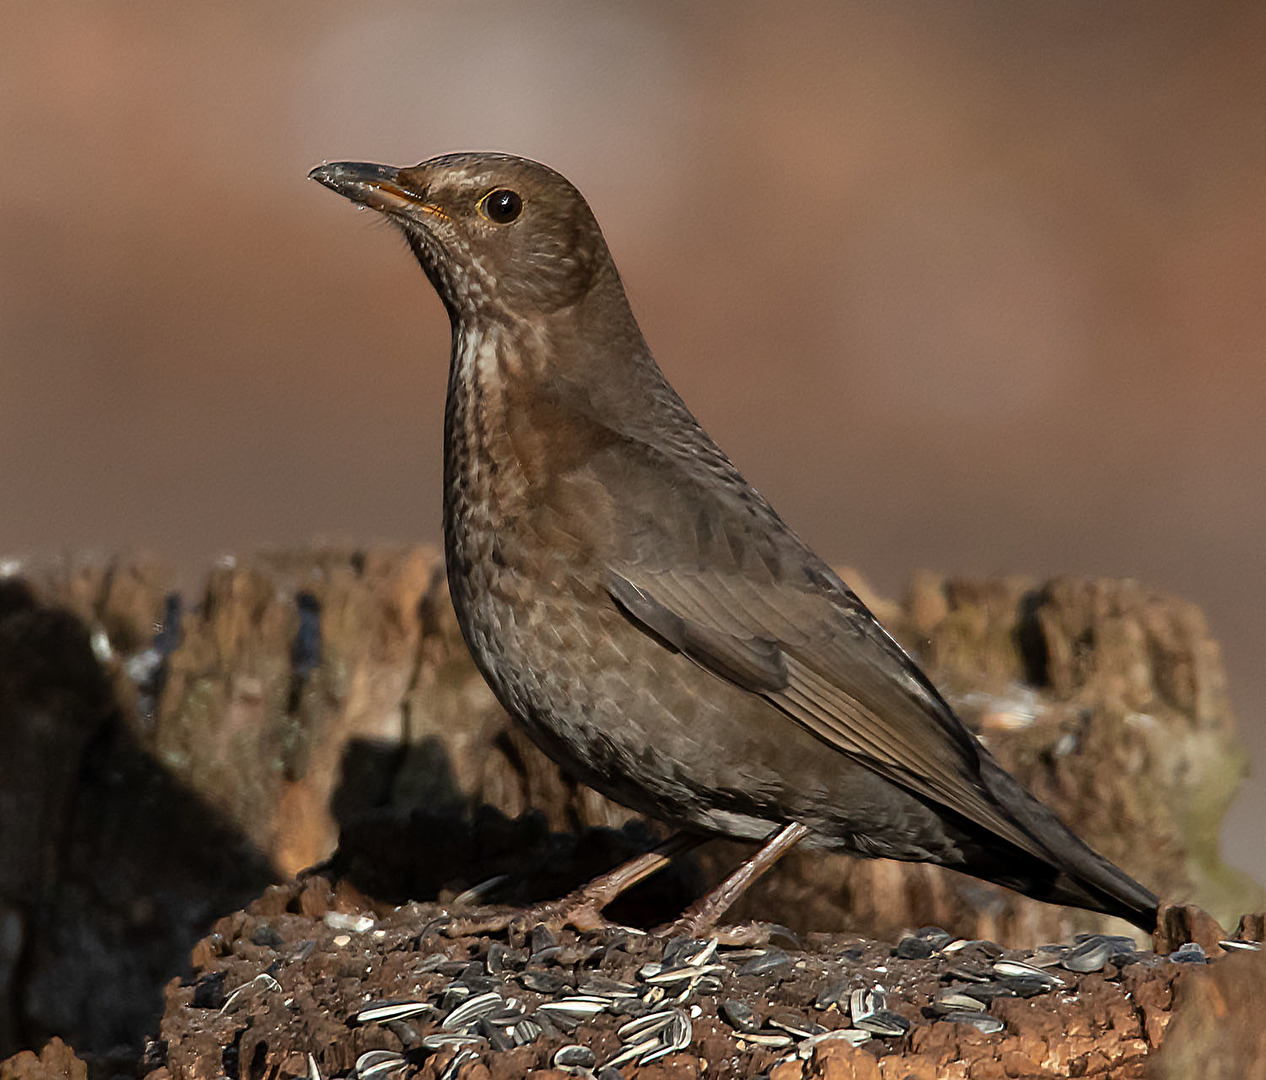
(380, 187)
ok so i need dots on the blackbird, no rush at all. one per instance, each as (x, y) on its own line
(642, 611)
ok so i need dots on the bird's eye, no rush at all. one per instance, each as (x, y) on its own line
(501, 206)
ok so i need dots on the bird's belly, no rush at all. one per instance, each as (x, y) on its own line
(652, 730)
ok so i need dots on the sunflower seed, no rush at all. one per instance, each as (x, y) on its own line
(989, 1025)
(577, 1005)
(1026, 986)
(913, 948)
(574, 1055)
(525, 1032)
(384, 1011)
(1246, 946)
(314, 1070)
(632, 1052)
(376, 1064)
(455, 1066)
(472, 1011)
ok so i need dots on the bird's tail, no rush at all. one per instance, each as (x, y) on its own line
(1079, 876)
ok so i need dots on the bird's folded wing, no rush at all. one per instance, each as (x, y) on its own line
(822, 659)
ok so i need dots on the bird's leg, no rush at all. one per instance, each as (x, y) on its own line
(698, 919)
(581, 909)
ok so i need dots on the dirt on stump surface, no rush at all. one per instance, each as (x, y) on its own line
(295, 974)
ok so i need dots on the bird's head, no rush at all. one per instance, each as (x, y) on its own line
(499, 236)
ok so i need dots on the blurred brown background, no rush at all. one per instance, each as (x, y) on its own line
(975, 286)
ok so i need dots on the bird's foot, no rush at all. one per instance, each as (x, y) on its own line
(744, 935)
(577, 911)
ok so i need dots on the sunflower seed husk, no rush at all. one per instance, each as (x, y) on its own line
(378, 1063)
(739, 1015)
(542, 982)
(450, 1038)
(1244, 946)
(954, 1000)
(770, 960)
(431, 963)
(965, 973)
(989, 1025)
(675, 976)
(644, 1026)
(766, 1038)
(612, 988)
(498, 1035)
(796, 1026)
(1045, 956)
(1019, 969)
(832, 994)
(384, 1011)
(679, 1031)
(883, 1022)
(863, 1003)
(510, 1013)
(261, 984)
(338, 920)
(852, 1036)
(1090, 955)
(314, 1070)
(1191, 953)
(632, 1052)
(454, 994)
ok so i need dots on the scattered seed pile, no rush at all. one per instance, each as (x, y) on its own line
(309, 981)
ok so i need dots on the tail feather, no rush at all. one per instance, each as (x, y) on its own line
(1081, 876)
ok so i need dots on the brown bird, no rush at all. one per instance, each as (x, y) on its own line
(641, 609)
